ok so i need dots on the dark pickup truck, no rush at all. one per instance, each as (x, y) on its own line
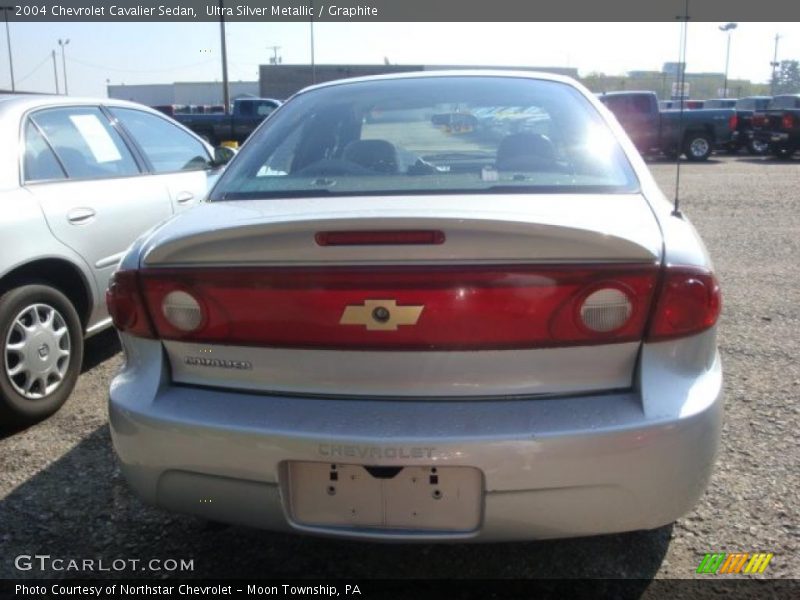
(743, 136)
(247, 114)
(779, 125)
(695, 134)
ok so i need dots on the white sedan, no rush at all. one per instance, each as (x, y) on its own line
(82, 179)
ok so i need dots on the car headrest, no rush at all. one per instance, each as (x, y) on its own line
(525, 152)
(376, 155)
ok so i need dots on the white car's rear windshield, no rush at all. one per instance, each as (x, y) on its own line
(459, 134)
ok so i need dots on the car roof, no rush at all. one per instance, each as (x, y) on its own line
(27, 102)
(510, 73)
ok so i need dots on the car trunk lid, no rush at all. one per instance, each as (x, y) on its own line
(490, 301)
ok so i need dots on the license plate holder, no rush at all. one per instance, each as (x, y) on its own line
(417, 498)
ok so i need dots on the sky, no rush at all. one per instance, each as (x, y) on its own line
(136, 53)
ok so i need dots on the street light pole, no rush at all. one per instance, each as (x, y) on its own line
(727, 28)
(63, 43)
(774, 64)
(226, 92)
(55, 69)
(5, 10)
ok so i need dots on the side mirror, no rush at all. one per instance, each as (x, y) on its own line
(223, 155)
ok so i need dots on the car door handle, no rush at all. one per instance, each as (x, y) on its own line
(80, 216)
(184, 197)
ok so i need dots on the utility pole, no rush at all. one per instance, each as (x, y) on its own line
(775, 64)
(226, 92)
(5, 10)
(55, 69)
(313, 64)
(63, 44)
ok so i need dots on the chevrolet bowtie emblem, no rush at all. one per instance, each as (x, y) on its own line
(380, 315)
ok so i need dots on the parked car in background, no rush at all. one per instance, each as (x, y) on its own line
(81, 180)
(695, 133)
(720, 103)
(167, 109)
(743, 136)
(676, 104)
(779, 125)
(382, 330)
(246, 115)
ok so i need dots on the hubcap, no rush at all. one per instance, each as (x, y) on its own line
(37, 351)
(699, 147)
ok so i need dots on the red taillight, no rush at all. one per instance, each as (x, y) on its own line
(787, 121)
(689, 302)
(379, 238)
(733, 122)
(126, 305)
(403, 308)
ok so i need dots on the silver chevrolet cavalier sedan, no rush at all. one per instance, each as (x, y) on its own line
(440, 306)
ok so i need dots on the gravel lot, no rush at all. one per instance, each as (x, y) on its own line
(61, 492)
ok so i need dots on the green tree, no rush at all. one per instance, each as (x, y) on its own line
(787, 77)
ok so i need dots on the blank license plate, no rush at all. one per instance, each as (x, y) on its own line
(411, 498)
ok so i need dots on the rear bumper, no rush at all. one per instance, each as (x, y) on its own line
(777, 138)
(555, 467)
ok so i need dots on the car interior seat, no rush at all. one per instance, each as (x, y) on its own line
(376, 155)
(526, 152)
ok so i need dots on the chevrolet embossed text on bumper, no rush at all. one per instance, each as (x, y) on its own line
(377, 452)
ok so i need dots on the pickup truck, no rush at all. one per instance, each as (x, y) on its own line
(687, 104)
(743, 136)
(720, 103)
(696, 134)
(247, 114)
(779, 125)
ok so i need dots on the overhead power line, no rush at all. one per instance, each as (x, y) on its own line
(36, 68)
(86, 63)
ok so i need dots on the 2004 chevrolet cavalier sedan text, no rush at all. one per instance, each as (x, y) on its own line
(466, 311)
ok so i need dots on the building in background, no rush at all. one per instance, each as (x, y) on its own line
(699, 86)
(181, 92)
(281, 81)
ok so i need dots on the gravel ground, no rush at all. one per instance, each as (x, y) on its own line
(61, 492)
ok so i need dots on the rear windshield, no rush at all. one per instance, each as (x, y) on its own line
(430, 136)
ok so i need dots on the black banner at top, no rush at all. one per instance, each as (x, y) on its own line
(398, 10)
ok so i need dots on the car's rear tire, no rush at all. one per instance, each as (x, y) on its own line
(697, 146)
(757, 148)
(783, 153)
(41, 351)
